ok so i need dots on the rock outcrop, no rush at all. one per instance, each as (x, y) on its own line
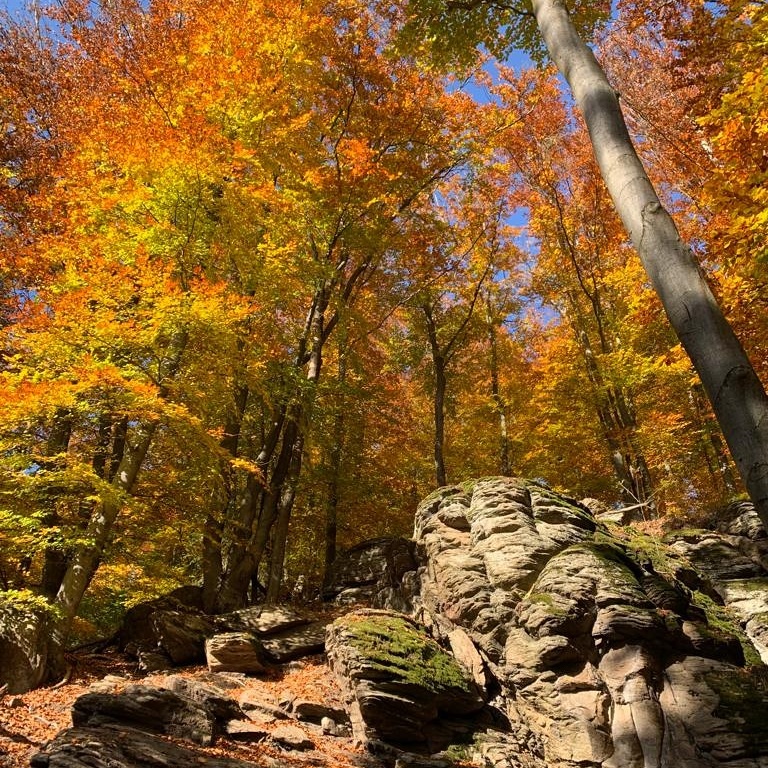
(167, 632)
(373, 571)
(23, 660)
(121, 747)
(397, 681)
(173, 631)
(603, 657)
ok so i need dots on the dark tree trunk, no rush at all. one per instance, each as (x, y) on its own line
(441, 476)
(55, 556)
(213, 527)
(505, 466)
(334, 466)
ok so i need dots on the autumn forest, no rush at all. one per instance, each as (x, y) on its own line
(271, 272)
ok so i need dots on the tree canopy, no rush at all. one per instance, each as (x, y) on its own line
(270, 272)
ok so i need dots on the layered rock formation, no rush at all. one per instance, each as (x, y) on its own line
(516, 627)
(601, 653)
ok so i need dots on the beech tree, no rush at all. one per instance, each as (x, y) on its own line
(734, 389)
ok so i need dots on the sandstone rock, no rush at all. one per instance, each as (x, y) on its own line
(740, 519)
(108, 684)
(717, 557)
(165, 632)
(395, 679)
(409, 760)
(465, 652)
(331, 728)
(715, 715)
(214, 698)
(23, 659)
(262, 620)
(149, 660)
(316, 711)
(147, 709)
(590, 643)
(291, 737)
(234, 652)
(376, 567)
(295, 643)
(121, 747)
(261, 707)
(245, 730)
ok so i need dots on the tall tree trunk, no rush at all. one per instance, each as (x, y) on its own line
(213, 527)
(498, 403)
(737, 395)
(441, 476)
(84, 562)
(55, 557)
(252, 509)
(318, 337)
(439, 364)
(334, 464)
(280, 536)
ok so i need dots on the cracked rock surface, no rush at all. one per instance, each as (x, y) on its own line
(603, 657)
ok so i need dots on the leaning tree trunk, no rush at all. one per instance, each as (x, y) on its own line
(85, 561)
(737, 395)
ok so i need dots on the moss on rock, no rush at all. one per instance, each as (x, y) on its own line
(743, 704)
(395, 646)
(721, 622)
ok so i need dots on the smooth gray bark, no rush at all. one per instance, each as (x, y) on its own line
(505, 467)
(737, 395)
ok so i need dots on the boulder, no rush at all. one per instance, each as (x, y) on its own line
(719, 557)
(372, 571)
(317, 711)
(740, 519)
(261, 620)
(295, 643)
(234, 652)
(121, 747)
(214, 694)
(394, 678)
(23, 647)
(260, 707)
(245, 730)
(291, 737)
(166, 632)
(147, 709)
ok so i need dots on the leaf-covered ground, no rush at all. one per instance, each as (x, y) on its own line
(28, 721)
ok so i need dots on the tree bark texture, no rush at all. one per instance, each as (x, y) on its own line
(737, 395)
(334, 463)
(505, 467)
(439, 363)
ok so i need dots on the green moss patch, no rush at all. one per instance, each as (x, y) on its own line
(743, 704)
(645, 547)
(394, 646)
(721, 622)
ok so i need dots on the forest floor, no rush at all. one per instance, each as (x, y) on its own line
(29, 721)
